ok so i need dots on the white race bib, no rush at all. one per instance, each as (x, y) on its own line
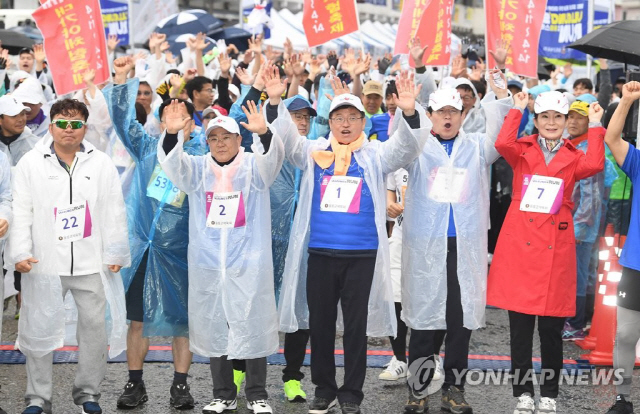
(73, 222)
(448, 185)
(341, 194)
(541, 194)
(163, 190)
(225, 210)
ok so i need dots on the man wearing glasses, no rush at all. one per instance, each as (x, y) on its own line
(338, 240)
(474, 119)
(69, 225)
(158, 213)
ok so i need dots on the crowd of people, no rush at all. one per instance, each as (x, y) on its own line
(228, 196)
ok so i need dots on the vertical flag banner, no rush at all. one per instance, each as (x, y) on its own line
(325, 20)
(519, 23)
(438, 35)
(410, 19)
(73, 41)
(565, 21)
(115, 17)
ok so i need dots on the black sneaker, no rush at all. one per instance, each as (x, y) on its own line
(321, 405)
(133, 395)
(350, 408)
(181, 397)
(621, 406)
(453, 401)
(416, 405)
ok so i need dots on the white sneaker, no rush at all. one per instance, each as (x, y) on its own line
(259, 407)
(220, 406)
(438, 379)
(546, 406)
(395, 370)
(526, 404)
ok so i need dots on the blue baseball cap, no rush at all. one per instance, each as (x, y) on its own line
(298, 103)
(587, 97)
(515, 83)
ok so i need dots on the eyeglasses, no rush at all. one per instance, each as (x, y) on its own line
(225, 139)
(340, 119)
(207, 90)
(467, 98)
(450, 112)
(301, 117)
(145, 93)
(64, 124)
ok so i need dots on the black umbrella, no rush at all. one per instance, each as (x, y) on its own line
(234, 35)
(619, 41)
(14, 41)
(31, 32)
(189, 21)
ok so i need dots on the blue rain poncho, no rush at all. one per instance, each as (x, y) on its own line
(158, 217)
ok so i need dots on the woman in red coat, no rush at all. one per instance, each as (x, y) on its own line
(533, 273)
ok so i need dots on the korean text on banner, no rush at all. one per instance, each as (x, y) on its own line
(410, 19)
(517, 22)
(115, 16)
(325, 20)
(73, 41)
(437, 36)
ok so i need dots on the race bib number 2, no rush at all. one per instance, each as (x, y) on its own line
(73, 222)
(541, 194)
(225, 210)
(341, 194)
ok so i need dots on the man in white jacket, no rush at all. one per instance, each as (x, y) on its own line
(16, 139)
(5, 217)
(70, 225)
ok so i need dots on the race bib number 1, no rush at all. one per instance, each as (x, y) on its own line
(341, 194)
(541, 194)
(225, 210)
(73, 222)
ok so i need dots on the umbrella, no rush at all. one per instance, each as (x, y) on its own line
(14, 41)
(234, 35)
(190, 21)
(30, 31)
(619, 41)
(179, 42)
(544, 69)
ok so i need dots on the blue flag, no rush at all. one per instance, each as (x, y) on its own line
(115, 16)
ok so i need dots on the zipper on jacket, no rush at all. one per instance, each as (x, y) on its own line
(70, 172)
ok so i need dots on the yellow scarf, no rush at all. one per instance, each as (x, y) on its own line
(340, 153)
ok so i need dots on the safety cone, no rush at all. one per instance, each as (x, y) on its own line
(606, 250)
(605, 331)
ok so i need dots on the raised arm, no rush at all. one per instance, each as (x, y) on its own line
(496, 106)
(507, 144)
(613, 137)
(593, 162)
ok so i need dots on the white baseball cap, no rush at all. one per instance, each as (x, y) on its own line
(224, 122)
(234, 90)
(551, 101)
(10, 106)
(346, 100)
(29, 91)
(445, 97)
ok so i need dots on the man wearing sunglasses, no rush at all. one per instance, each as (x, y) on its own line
(157, 282)
(69, 227)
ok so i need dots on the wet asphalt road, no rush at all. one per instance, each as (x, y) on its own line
(380, 397)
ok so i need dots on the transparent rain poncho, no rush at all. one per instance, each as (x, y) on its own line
(158, 216)
(232, 307)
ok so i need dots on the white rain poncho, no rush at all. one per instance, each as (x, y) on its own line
(232, 307)
(475, 120)
(5, 211)
(377, 159)
(424, 238)
(23, 144)
(40, 185)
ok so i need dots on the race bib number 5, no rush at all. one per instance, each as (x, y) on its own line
(541, 194)
(225, 210)
(73, 222)
(341, 194)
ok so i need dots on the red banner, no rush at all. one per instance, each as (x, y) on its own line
(518, 22)
(412, 11)
(73, 41)
(436, 36)
(325, 20)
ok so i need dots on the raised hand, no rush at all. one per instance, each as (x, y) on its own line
(201, 42)
(288, 48)
(122, 66)
(339, 88)
(256, 122)
(154, 41)
(362, 65)
(175, 119)
(416, 50)
(39, 56)
(407, 93)
(190, 74)
(595, 112)
(169, 57)
(521, 100)
(297, 64)
(631, 91)
(255, 44)
(500, 54)
(89, 76)
(501, 93)
(245, 77)
(112, 42)
(459, 66)
(225, 64)
(248, 57)
(274, 86)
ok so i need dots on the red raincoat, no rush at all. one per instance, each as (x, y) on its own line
(534, 266)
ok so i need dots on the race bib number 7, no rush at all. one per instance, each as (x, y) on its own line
(341, 194)
(541, 194)
(73, 222)
(225, 210)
